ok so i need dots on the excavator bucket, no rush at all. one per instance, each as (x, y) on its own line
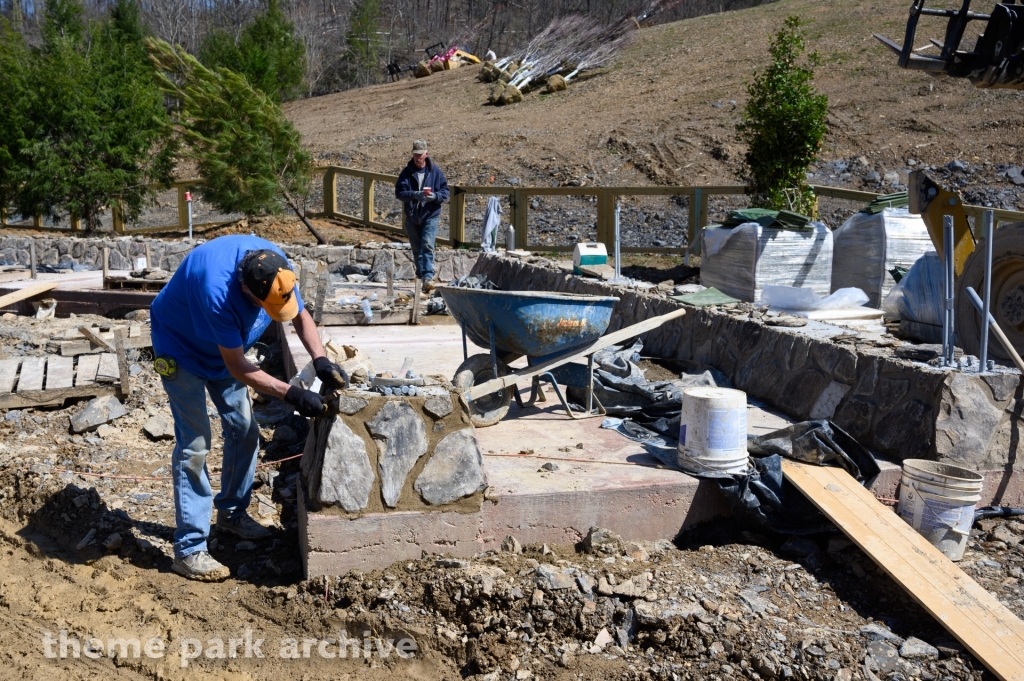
(997, 59)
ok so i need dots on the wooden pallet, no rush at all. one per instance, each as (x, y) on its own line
(974, 616)
(119, 282)
(49, 381)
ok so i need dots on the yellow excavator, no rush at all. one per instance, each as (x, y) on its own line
(996, 61)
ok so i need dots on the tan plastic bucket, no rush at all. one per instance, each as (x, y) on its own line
(938, 501)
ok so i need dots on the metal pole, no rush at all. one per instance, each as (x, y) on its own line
(618, 259)
(947, 253)
(987, 224)
(188, 200)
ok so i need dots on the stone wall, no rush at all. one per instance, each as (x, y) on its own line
(87, 254)
(898, 408)
(394, 454)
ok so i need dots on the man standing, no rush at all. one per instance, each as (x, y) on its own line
(422, 187)
(219, 302)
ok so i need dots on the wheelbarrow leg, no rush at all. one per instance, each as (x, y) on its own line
(494, 351)
(565, 404)
(465, 348)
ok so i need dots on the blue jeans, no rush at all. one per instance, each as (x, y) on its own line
(421, 238)
(193, 497)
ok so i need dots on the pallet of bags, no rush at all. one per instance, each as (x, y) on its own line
(741, 260)
(874, 242)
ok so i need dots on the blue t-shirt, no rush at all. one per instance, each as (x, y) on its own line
(203, 306)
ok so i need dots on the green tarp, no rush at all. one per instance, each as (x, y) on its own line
(709, 296)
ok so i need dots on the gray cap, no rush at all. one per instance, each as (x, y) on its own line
(419, 147)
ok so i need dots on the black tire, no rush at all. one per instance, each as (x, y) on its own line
(1007, 293)
(489, 409)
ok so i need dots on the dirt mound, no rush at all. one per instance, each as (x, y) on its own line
(666, 112)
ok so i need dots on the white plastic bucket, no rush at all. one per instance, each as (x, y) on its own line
(938, 501)
(713, 431)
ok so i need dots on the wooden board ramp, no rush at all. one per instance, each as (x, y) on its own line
(974, 616)
(50, 380)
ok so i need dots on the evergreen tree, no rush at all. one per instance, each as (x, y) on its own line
(14, 83)
(249, 155)
(267, 53)
(784, 123)
(95, 136)
(363, 41)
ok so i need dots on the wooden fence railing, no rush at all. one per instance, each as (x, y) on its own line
(519, 201)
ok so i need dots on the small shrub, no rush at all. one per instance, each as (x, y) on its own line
(784, 122)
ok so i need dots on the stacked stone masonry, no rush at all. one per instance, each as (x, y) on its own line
(87, 254)
(898, 408)
(394, 453)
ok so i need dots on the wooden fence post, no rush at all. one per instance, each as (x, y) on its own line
(182, 208)
(367, 200)
(457, 217)
(330, 193)
(519, 220)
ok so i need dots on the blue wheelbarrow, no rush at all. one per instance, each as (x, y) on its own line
(550, 329)
(542, 326)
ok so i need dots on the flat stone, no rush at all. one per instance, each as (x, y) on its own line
(550, 578)
(873, 631)
(916, 649)
(919, 353)
(661, 615)
(346, 476)
(401, 440)
(351, 405)
(113, 542)
(455, 470)
(585, 582)
(439, 406)
(882, 658)
(752, 600)
(962, 434)
(825, 406)
(484, 576)
(159, 427)
(98, 411)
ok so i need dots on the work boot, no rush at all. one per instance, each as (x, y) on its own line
(428, 285)
(201, 566)
(241, 526)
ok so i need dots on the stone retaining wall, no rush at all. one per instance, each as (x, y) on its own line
(87, 254)
(898, 408)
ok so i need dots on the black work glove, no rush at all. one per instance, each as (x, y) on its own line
(330, 374)
(306, 402)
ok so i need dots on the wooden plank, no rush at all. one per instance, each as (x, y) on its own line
(49, 398)
(27, 292)
(70, 348)
(107, 371)
(60, 372)
(496, 384)
(974, 616)
(8, 374)
(122, 361)
(95, 337)
(32, 369)
(88, 365)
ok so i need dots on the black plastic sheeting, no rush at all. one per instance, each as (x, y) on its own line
(996, 512)
(767, 500)
(762, 497)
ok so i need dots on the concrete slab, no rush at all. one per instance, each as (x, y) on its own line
(611, 481)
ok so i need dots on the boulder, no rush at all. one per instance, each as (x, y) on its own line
(551, 578)
(601, 540)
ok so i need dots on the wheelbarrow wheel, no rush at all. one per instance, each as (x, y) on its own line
(489, 409)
